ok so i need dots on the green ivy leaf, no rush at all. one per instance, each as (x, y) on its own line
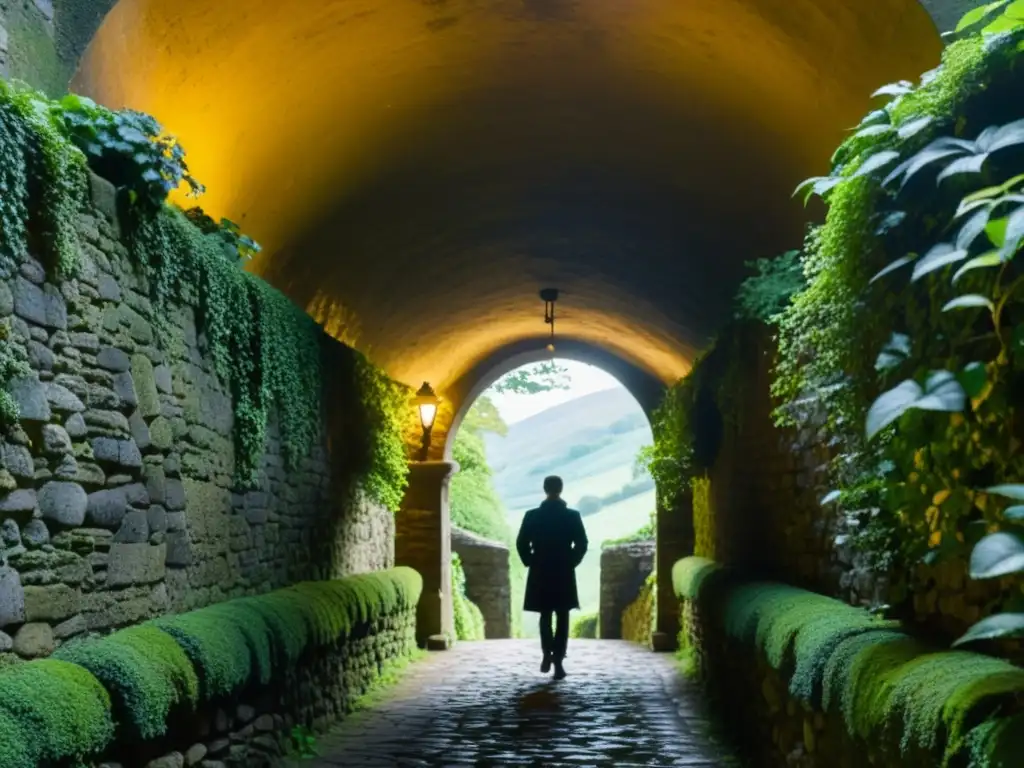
(990, 259)
(891, 405)
(894, 265)
(942, 392)
(876, 161)
(830, 497)
(938, 257)
(913, 127)
(894, 352)
(874, 130)
(976, 15)
(1013, 491)
(970, 301)
(1014, 513)
(999, 625)
(973, 378)
(998, 554)
(996, 231)
(1014, 233)
(971, 164)
(900, 88)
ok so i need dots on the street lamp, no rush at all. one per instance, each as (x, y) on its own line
(426, 401)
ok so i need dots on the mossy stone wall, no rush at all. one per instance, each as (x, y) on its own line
(117, 494)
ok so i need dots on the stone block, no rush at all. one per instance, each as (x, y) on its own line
(75, 426)
(173, 760)
(135, 564)
(63, 503)
(162, 379)
(6, 300)
(18, 503)
(30, 395)
(108, 288)
(140, 431)
(12, 597)
(50, 603)
(35, 534)
(156, 516)
(18, 461)
(29, 301)
(10, 533)
(107, 508)
(179, 549)
(175, 498)
(145, 386)
(113, 359)
(56, 440)
(156, 484)
(124, 387)
(34, 641)
(134, 528)
(40, 358)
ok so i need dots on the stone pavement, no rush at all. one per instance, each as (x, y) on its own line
(487, 704)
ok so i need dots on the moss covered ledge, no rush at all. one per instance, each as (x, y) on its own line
(816, 682)
(234, 681)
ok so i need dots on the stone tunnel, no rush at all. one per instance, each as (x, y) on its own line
(416, 172)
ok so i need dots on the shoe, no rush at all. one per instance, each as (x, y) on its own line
(545, 666)
(559, 671)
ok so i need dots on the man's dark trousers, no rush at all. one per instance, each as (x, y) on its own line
(554, 646)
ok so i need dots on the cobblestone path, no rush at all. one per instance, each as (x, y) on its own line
(487, 704)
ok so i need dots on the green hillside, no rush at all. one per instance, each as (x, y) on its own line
(592, 443)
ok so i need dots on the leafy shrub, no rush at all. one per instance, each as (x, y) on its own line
(907, 339)
(145, 672)
(767, 293)
(638, 616)
(59, 710)
(584, 626)
(469, 621)
(918, 704)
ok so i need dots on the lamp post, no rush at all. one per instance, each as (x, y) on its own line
(427, 402)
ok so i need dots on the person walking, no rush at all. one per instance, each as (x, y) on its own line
(552, 543)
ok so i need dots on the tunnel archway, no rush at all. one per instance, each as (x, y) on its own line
(417, 170)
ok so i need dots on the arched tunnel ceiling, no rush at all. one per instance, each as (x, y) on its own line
(417, 169)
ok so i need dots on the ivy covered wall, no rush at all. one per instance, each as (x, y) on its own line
(174, 431)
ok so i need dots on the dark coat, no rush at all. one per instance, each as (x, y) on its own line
(551, 543)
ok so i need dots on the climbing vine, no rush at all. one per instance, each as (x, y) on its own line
(264, 349)
(907, 343)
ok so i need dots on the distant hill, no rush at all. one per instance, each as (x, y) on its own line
(591, 443)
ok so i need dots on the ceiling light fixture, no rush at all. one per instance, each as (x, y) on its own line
(550, 296)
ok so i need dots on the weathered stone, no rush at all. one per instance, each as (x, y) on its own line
(18, 461)
(145, 386)
(56, 307)
(135, 564)
(134, 528)
(56, 440)
(195, 754)
(156, 484)
(162, 379)
(113, 359)
(140, 431)
(40, 358)
(74, 626)
(122, 452)
(109, 421)
(6, 643)
(18, 502)
(108, 288)
(160, 434)
(124, 388)
(62, 399)
(75, 426)
(107, 508)
(85, 342)
(63, 503)
(34, 641)
(67, 469)
(35, 534)
(90, 474)
(12, 597)
(179, 550)
(264, 723)
(156, 516)
(175, 521)
(10, 534)
(173, 760)
(6, 299)
(7, 481)
(244, 713)
(29, 301)
(30, 395)
(51, 603)
(175, 498)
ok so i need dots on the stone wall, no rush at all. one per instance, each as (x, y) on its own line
(254, 728)
(624, 569)
(487, 580)
(117, 500)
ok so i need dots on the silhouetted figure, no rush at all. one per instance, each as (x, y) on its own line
(551, 543)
